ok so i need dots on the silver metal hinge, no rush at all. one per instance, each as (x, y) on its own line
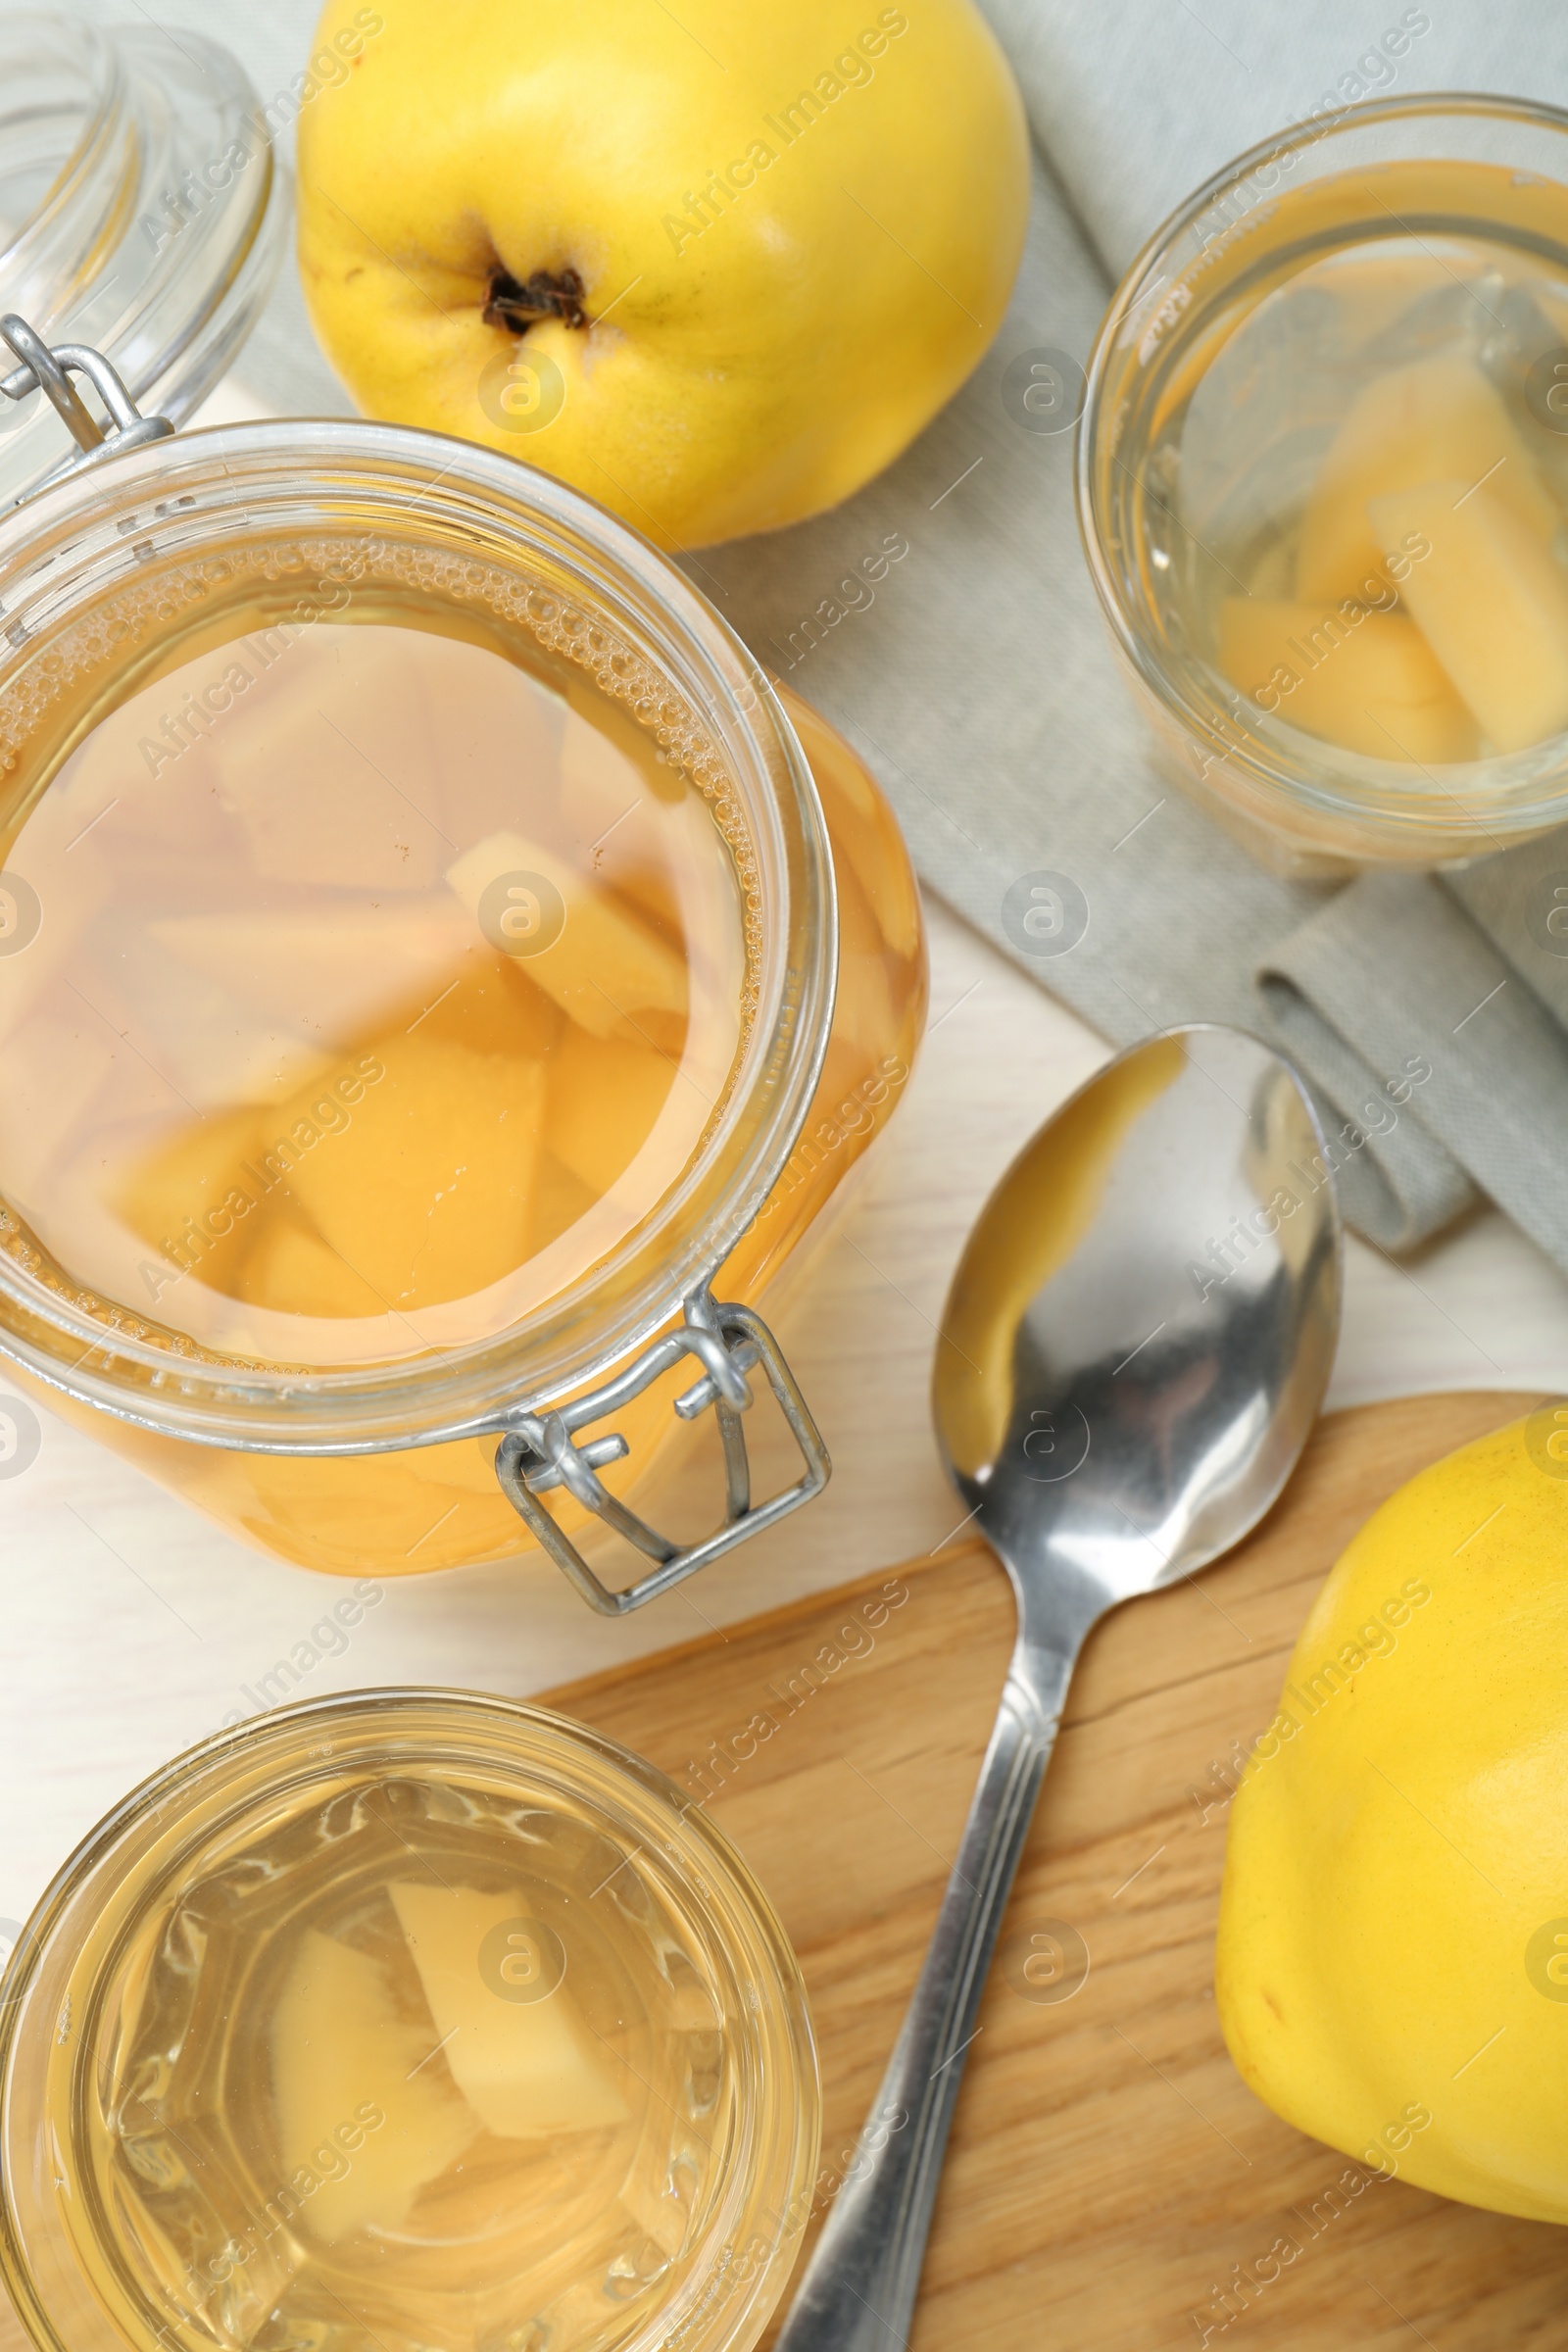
(51, 371)
(540, 1451)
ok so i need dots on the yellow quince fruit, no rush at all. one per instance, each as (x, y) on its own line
(1392, 1960)
(714, 265)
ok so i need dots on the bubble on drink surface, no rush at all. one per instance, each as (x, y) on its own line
(521, 391)
(20, 915)
(1045, 913)
(522, 913)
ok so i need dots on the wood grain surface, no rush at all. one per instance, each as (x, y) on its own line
(1108, 2168)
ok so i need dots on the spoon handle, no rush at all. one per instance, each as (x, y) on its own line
(858, 2291)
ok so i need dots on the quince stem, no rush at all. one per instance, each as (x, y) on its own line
(544, 295)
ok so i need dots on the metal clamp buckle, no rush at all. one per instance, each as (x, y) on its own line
(540, 1451)
(52, 371)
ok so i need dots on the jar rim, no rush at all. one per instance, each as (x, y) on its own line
(1302, 794)
(81, 535)
(770, 2161)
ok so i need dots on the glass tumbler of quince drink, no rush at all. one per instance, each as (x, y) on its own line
(406, 2021)
(1323, 485)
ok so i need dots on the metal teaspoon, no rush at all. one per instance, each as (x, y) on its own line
(1134, 1351)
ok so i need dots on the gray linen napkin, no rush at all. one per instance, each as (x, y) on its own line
(943, 621)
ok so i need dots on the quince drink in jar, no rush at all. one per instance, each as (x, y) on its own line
(392, 951)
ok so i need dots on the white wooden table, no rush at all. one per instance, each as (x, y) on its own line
(130, 1626)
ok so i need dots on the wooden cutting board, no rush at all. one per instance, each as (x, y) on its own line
(1107, 2166)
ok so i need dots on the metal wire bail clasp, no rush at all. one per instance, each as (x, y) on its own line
(52, 371)
(540, 1451)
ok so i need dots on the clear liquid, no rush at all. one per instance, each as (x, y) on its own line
(1239, 465)
(385, 975)
(310, 2138)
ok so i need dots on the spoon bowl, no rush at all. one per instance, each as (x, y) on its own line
(1140, 1331)
(1133, 1354)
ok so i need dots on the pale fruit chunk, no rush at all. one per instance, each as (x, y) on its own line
(560, 1200)
(291, 1271)
(322, 976)
(600, 782)
(1370, 683)
(342, 2058)
(191, 1183)
(70, 902)
(1439, 418)
(605, 1096)
(606, 967)
(427, 1192)
(327, 779)
(49, 1076)
(205, 1043)
(1491, 602)
(526, 2068)
(1372, 288)
(494, 1008)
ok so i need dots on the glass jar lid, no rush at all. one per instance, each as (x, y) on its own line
(143, 212)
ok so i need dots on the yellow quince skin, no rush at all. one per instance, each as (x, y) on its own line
(714, 266)
(1393, 1955)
